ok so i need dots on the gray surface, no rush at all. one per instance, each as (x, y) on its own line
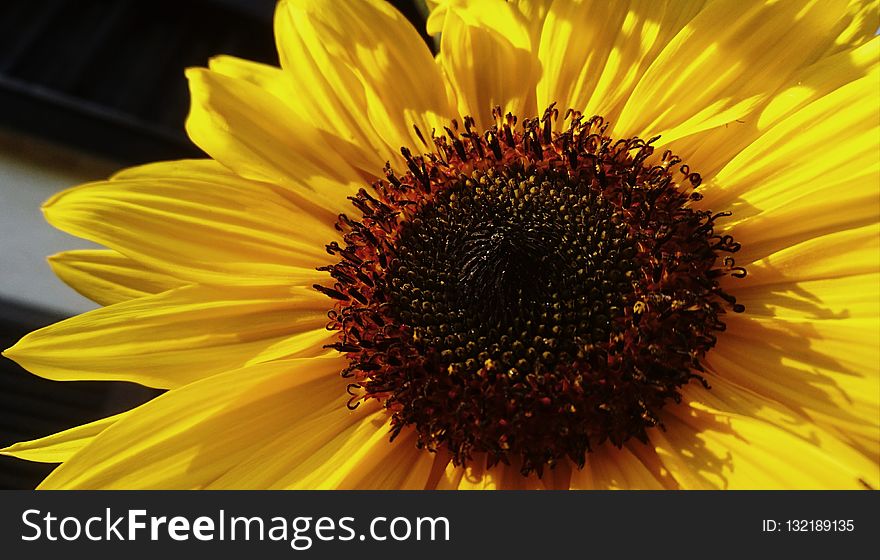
(30, 172)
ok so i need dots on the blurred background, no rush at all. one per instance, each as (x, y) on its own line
(88, 87)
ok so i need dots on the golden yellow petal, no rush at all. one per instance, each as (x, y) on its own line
(816, 172)
(188, 437)
(610, 468)
(861, 26)
(725, 62)
(198, 223)
(477, 476)
(840, 401)
(107, 277)
(317, 426)
(208, 171)
(285, 88)
(732, 438)
(811, 314)
(825, 76)
(711, 450)
(593, 53)
(535, 13)
(176, 337)
(487, 55)
(363, 73)
(258, 136)
(709, 151)
(815, 353)
(329, 447)
(391, 466)
(60, 447)
(510, 478)
(363, 458)
(852, 252)
(450, 477)
(269, 78)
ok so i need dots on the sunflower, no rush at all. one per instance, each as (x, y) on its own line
(587, 245)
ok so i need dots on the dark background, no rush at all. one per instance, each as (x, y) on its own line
(105, 78)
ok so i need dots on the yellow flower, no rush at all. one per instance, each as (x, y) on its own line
(522, 305)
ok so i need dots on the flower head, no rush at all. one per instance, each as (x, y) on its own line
(587, 245)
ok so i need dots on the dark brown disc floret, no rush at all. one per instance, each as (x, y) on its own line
(528, 294)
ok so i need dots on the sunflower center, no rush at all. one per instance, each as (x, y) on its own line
(528, 295)
(519, 267)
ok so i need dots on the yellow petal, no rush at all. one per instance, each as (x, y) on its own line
(725, 61)
(535, 13)
(258, 136)
(363, 73)
(780, 365)
(811, 316)
(559, 477)
(353, 458)
(609, 468)
(709, 151)
(176, 337)
(820, 79)
(60, 447)
(450, 478)
(726, 394)
(328, 447)
(476, 476)
(198, 223)
(487, 54)
(285, 89)
(318, 449)
(268, 78)
(188, 437)
(852, 252)
(862, 25)
(814, 173)
(107, 277)
(208, 171)
(389, 466)
(730, 438)
(510, 478)
(593, 53)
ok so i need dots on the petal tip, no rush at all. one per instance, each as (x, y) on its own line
(195, 73)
